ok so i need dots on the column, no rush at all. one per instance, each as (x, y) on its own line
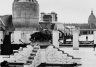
(75, 39)
(42, 14)
(12, 38)
(1, 42)
(1, 37)
(56, 38)
(23, 37)
(54, 15)
(17, 37)
(64, 38)
(94, 37)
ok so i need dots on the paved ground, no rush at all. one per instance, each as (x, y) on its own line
(88, 55)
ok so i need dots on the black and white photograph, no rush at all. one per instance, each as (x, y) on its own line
(47, 33)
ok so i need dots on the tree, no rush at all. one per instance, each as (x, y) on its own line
(42, 36)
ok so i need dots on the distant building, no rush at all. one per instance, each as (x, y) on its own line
(48, 20)
(85, 28)
(92, 18)
(49, 17)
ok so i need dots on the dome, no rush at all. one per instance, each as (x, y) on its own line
(91, 18)
(25, 14)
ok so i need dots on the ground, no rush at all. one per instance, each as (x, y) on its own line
(87, 55)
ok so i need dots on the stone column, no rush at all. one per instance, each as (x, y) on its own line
(1, 37)
(12, 38)
(42, 14)
(1, 42)
(64, 38)
(94, 37)
(75, 39)
(24, 37)
(55, 38)
(17, 37)
(54, 15)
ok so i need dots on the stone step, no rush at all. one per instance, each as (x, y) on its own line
(36, 47)
(32, 54)
(20, 61)
(24, 53)
(28, 62)
(31, 57)
(15, 54)
(64, 55)
(77, 61)
(59, 52)
(35, 51)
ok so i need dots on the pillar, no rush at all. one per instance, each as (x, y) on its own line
(12, 38)
(1, 37)
(56, 38)
(17, 37)
(75, 40)
(64, 39)
(23, 37)
(42, 14)
(94, 37)
(54, 15)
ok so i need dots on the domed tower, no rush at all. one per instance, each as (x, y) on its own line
(25, 14)
(92, 18)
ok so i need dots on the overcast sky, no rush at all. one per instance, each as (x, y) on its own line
(69, 11)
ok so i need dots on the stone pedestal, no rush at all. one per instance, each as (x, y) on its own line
(75, 40)
(56, 38)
